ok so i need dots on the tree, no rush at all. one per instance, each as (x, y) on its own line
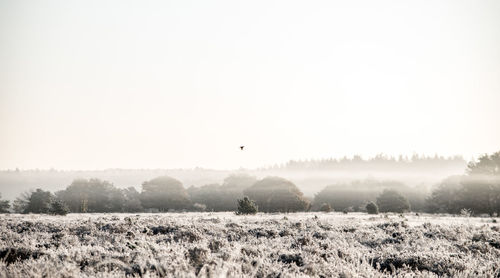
(488, 165)
(92, 195)
(21, 203)
(132, 200)
(480, 195)
(58, 207)
(481, 187)
(39, 201)
(342, 196)
(212, 196)
(164, 193)
(372, 208)
(274, 194)
(392, 201)
(478, 191)
(246, 206)
(232, 189)
(222, 197)
(4, 205)
(445, 198)
(357, 193)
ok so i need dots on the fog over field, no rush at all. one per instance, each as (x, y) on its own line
(229, 138)
(310, 176)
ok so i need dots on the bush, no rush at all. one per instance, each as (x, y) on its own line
(325, 207)
(372, 208)
(246, 206)
(392, 201)
(274, 194)
(58, 207)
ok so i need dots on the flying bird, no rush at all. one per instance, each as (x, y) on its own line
(241, 147)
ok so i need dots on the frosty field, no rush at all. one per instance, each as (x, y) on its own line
(262, 245)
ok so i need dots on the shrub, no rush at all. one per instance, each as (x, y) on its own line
(325, 207)
(392, 201)
(372, 208)
(246, 206)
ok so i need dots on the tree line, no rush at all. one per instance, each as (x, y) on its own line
(382, 162)
(478, 191)
(161, 194)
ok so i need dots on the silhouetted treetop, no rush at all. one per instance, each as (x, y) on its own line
(485, 165)
(379, 162)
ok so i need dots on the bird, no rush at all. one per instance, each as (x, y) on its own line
(241, 147)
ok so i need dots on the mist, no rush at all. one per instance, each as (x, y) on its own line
(228, 138)
(310, 176)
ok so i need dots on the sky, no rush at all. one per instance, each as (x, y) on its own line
(182, 84)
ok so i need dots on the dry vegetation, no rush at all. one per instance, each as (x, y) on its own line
(264, 245)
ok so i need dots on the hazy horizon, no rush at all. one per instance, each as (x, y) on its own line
(282, 164)
(156, 84)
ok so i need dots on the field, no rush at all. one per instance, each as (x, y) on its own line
(262, 245)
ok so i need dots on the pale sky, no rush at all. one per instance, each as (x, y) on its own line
(178, 84)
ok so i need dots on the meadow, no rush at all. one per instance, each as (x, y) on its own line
(309, 244)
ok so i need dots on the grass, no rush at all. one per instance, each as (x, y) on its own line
(262, 245)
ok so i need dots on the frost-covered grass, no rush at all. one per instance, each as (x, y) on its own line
(262, 245)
